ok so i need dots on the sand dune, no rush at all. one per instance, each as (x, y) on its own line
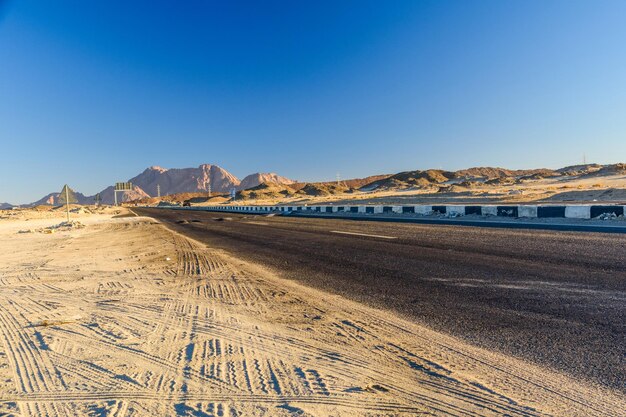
(126, 318)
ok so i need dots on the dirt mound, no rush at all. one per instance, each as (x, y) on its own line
(180, 198)
(360, 182)
(454, 188)
(82, 210)
(579, 169)
(614, 195)
(72, 224)
(74, 208)
(323, 189)
(264, 191)
(217, 199)
(431, 175)
(168, 203)
(411, 179)
(350, 183)
(63, 226)
(537, 176)
(469, 184)
(484, 172)
(501, 181)
(496, 172)
(606, 170)
(42, 207)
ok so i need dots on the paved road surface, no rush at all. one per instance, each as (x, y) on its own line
(555, 298)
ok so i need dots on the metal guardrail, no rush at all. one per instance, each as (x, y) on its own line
(514, 211)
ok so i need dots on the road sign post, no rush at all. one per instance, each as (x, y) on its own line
(67, 196)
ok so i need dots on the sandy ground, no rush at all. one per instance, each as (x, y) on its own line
(610, 189)
(126, 318)
(52, 215)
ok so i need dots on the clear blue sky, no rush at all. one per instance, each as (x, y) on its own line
(95, 91)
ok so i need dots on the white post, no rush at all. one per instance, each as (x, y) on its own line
(115, 196)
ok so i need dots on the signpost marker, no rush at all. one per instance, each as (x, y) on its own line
(67, 196)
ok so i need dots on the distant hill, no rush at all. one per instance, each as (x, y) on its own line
(614, 169)
(259, 178)
(6, 206)
(321, 189)
(185, 180)
(53, 199)
(347, 184)
(360, 182)
(433, 179)
(406, 179)
(579, 169)
(187, 183)
(204, 178)
(266, 190)
(107, 197)
(180, 198)
(491, 173)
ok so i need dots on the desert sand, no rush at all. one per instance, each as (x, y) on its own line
(123, 317)
(583, 189)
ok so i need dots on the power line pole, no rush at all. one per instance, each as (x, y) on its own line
(209, 190)
(158, 190)
(67, 202)
(338, 177)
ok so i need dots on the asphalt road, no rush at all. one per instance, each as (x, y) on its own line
(555, 298)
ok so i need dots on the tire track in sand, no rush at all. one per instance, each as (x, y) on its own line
(204, 333)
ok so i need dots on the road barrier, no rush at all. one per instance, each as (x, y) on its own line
(455, 210)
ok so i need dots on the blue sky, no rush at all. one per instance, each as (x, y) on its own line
(92, 92)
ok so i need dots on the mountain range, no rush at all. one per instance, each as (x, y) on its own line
(205, 178)
(215, 179)
(440, 182)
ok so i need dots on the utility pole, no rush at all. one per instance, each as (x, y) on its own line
(158, 190)
(338, 177)
(209, 189)
(584, 159)
(67, 202)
